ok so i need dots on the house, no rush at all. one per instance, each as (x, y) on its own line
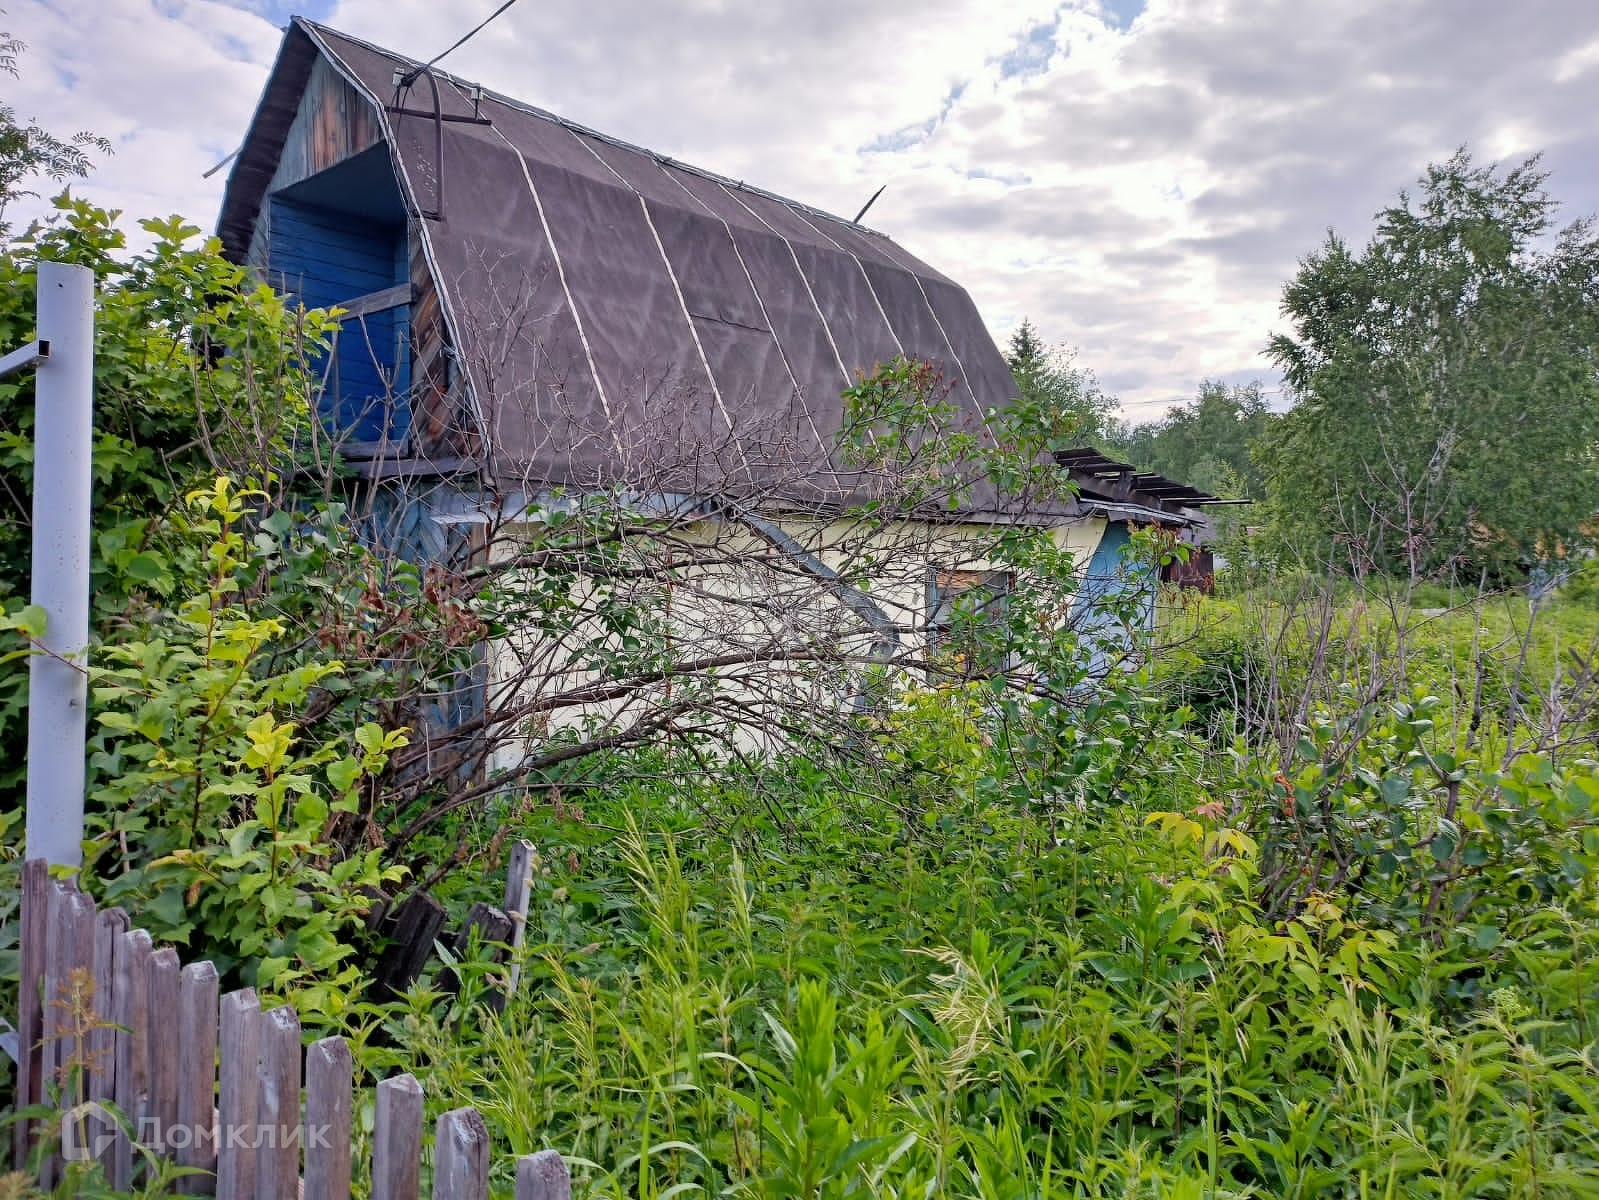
(534, 310)
(526, 289)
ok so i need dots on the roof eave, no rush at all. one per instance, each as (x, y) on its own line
(263, 143)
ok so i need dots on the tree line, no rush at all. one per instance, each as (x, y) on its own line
(1442, 397)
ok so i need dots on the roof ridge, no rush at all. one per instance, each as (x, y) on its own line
(543, 114)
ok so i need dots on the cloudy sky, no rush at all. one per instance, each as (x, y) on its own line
(1137, 176)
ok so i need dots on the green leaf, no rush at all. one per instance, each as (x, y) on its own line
(343, 774)
(370, 737)
(311, 810)
(29, 621)
(144, 567)
(167, 908)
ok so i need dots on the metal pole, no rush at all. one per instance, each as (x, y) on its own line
(58, 689)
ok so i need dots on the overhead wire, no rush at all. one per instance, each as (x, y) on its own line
(463, 40)
(412, 74)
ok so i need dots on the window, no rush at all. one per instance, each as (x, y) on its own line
(966, 618)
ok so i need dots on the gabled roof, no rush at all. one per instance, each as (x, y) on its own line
(602, 297)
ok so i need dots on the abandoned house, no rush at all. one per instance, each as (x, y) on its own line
(534, 309)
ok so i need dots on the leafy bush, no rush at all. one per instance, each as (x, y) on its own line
(1217, 668)
(1582, 585)
(197, 370)
(209, 819)
(1008, 1004)
(1423, 840)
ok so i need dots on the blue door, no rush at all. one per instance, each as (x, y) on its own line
(1116, 601)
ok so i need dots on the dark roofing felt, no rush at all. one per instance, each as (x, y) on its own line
(606, 300)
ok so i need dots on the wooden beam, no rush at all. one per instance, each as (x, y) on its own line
(375, 302)
(397, 1139)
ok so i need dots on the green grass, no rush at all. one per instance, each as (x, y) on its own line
(1259, 921)
(1502, 665)
(975, 1002)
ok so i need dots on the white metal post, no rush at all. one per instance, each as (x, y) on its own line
(57, 679)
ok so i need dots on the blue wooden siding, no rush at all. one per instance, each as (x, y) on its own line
(1110, 577)
(322, 258)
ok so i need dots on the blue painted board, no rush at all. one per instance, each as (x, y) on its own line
(1110, 574)
(325, 258)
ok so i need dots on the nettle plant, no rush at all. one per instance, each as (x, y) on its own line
(212, 804)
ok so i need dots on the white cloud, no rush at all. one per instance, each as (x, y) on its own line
(1578, 61)
(1139, 181)
(172, 85)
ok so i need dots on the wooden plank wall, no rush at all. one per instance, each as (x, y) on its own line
(442, 427)
(323, 258)
(109, 1023)
(333, 123)
(326, 258)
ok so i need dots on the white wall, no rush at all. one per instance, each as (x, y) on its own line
(752, 596)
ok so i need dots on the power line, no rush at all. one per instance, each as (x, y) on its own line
(411, 75)
(414, 72)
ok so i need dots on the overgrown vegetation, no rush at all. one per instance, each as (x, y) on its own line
(1303, 904)
(1082, 997)
(1445, 397)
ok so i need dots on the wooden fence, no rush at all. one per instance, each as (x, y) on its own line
(210, 1082)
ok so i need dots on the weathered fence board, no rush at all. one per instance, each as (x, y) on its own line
(277, 1163)
(109, 926)
(197, 1064)
(132, 1085)
(460, 1155)
(34, 933)
(69, 955)
(518, 894)
(165, 983)
(542, 1176)
(413, 927)
(213, 1083)
(329, 1077)
(397, 1140)
(239, 1045)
